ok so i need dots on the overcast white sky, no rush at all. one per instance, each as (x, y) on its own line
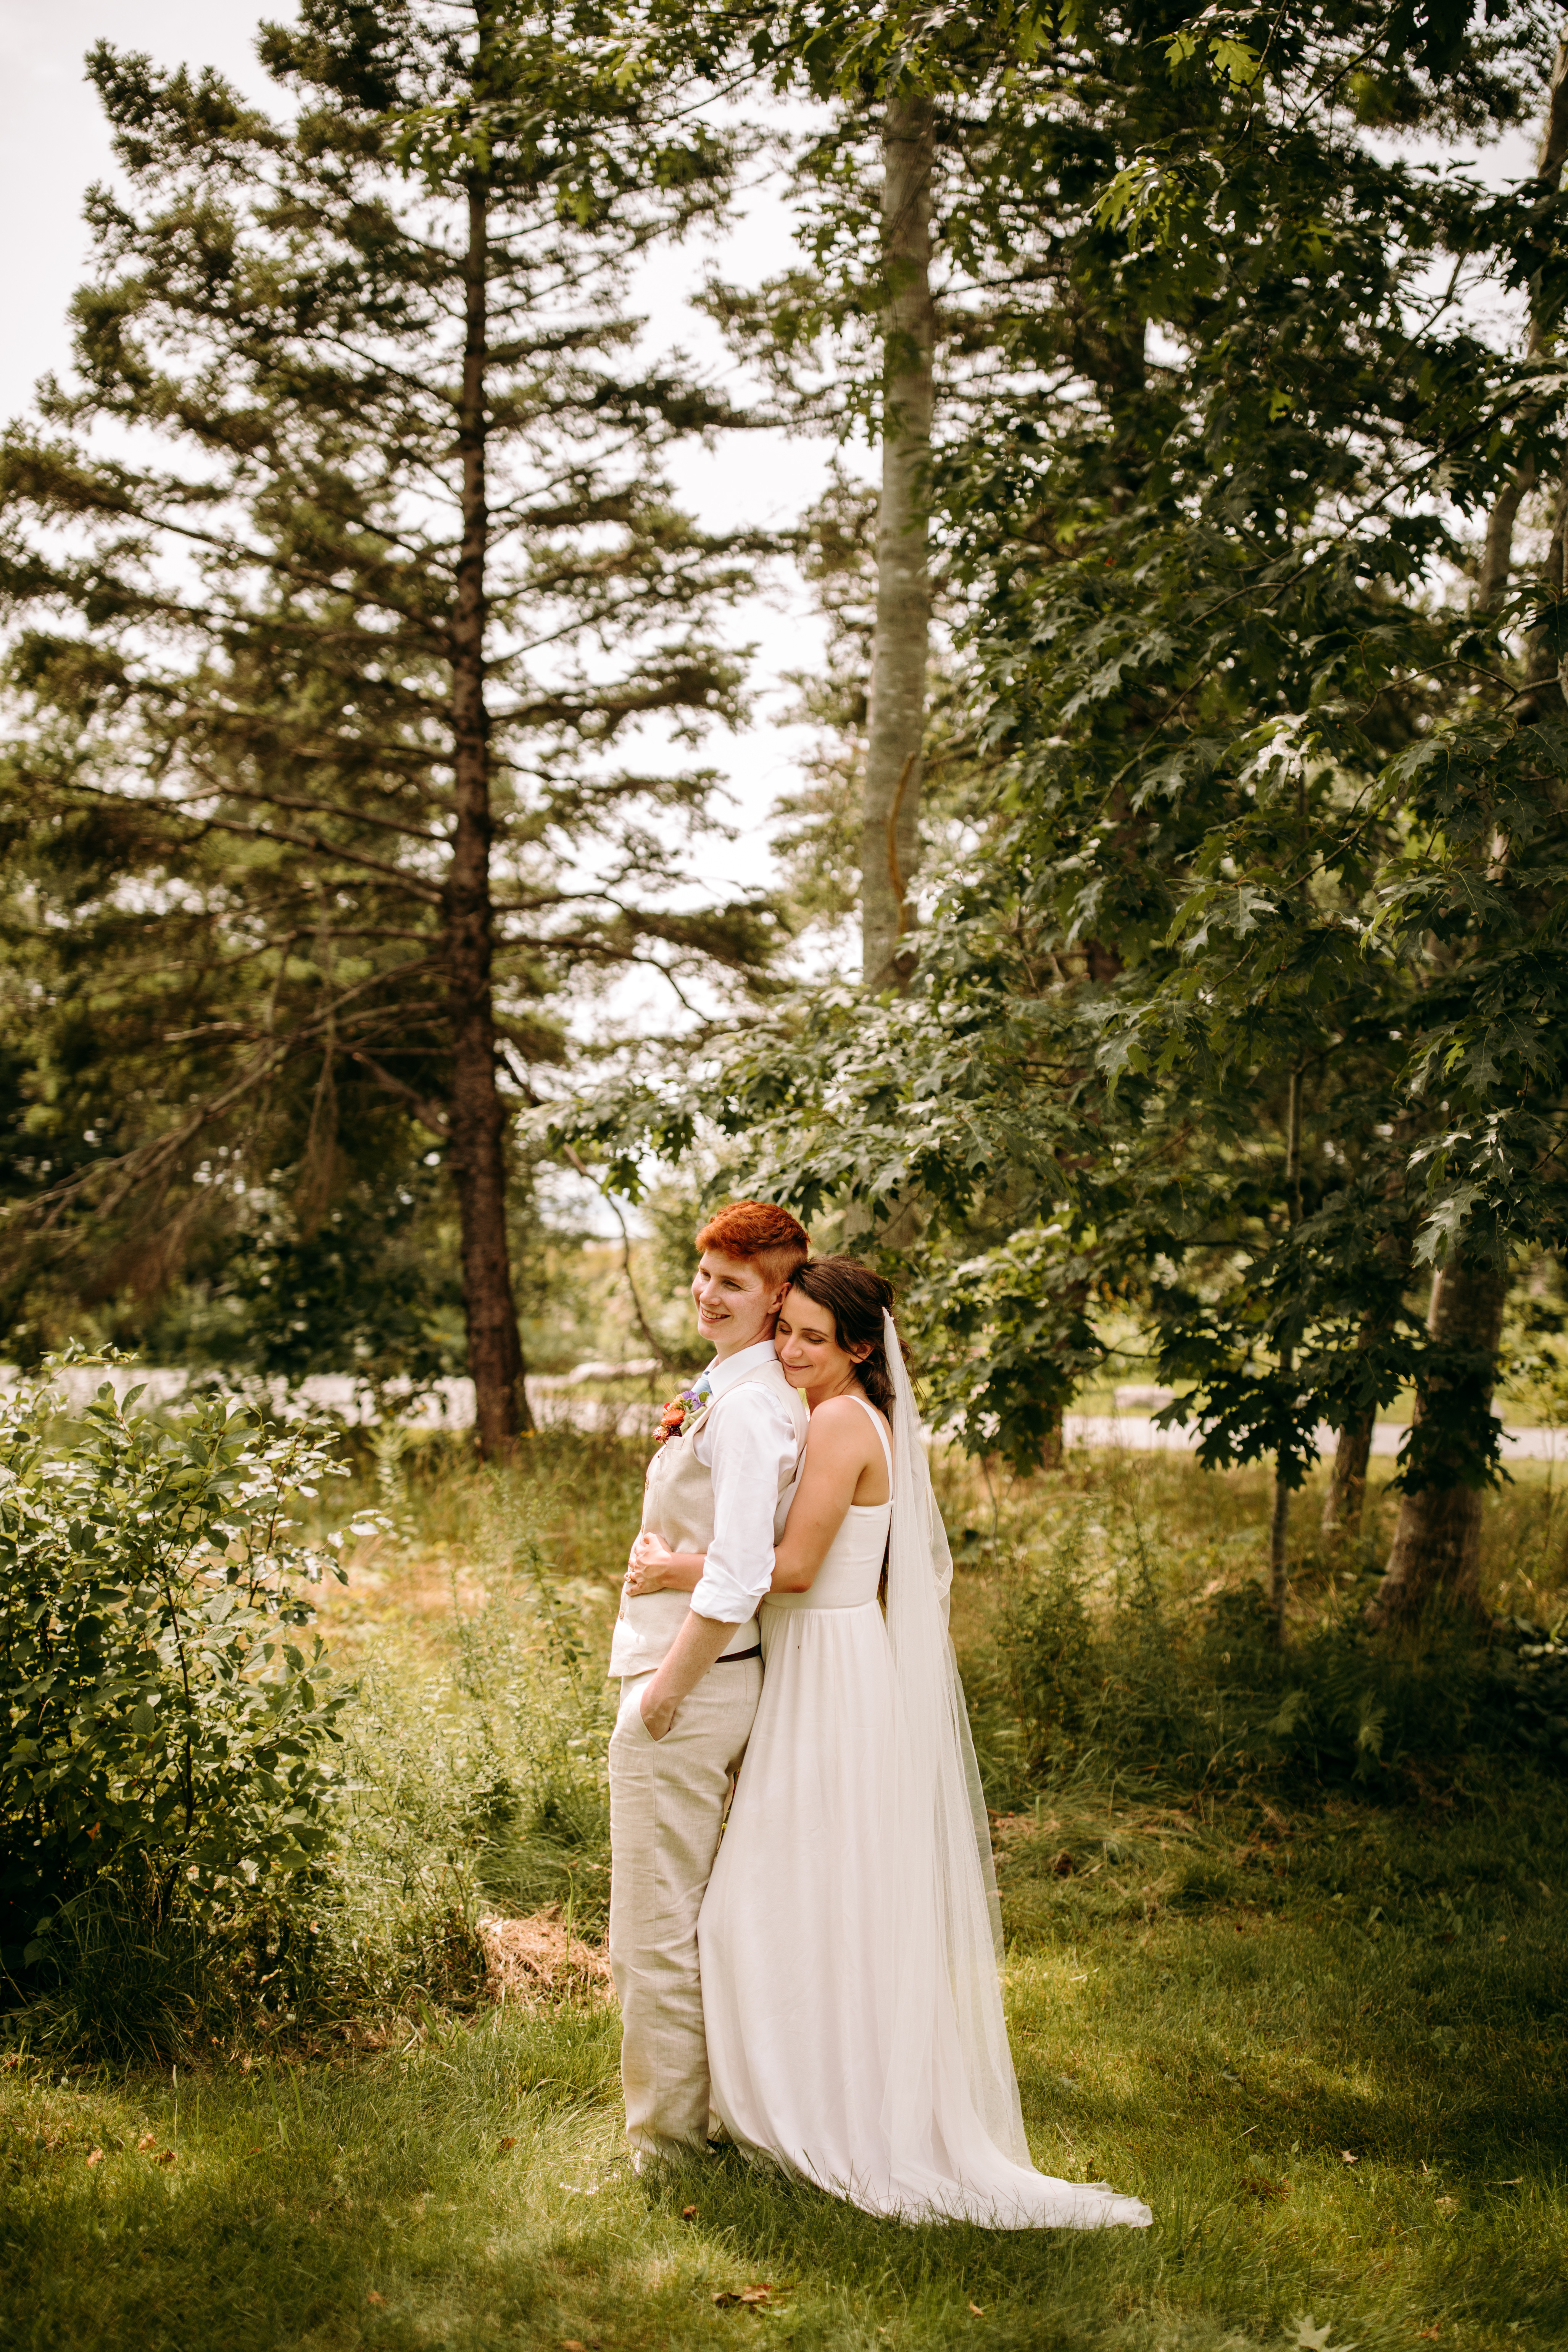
(53, 145)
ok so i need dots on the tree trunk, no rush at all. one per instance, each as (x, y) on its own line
(476, 1147)
(1497, 553)
(1347, 1483)
(1436, 1542)
(890, 834)
(1279, 1518)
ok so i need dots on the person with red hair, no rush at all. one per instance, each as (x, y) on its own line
(850, 1940)
(725, 1467)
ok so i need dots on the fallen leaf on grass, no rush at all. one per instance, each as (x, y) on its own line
(373, 2297)
(978, 2309)
(258, 2150)
(752, 2296)
(147, 2140)
(510, 2142)
(165, 2155)
(688, 2212)
(1310, 2338)
(1430, 2335)
(1346, 2158)
(95, 2156)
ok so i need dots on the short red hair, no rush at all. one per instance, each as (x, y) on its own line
(759, 1230)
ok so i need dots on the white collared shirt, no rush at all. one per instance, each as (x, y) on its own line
(748, 1447)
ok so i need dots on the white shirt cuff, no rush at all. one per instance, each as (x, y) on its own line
(718, 1596)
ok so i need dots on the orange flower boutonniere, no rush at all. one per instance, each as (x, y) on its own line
(672, 1420)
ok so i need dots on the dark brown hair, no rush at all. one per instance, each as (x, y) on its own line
(857, 1300)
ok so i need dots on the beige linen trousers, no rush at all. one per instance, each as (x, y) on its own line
(666, 1808)
(668, 1799)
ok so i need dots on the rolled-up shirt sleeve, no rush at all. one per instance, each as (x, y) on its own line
(749, 1445)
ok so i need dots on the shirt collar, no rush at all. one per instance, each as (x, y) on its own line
(724, 1371)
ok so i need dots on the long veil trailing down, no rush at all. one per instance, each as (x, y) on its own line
(943, 1873)
(944, 1799)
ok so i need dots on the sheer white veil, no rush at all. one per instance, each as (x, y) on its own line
(944, 1841)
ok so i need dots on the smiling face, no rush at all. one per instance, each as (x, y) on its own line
(736, 1303)
(808, 1345)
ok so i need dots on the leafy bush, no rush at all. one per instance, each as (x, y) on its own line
(1118, 1672)
(165, 1734)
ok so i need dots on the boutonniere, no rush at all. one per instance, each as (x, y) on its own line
(672, 1420)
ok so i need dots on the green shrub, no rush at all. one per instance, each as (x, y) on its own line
(1110, 1668)
(166, 1714)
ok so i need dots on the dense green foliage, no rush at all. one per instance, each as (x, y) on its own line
(1242, 1001)
(169, 1711)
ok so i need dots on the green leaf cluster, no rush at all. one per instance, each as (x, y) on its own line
(167, 1708)
(1247, 998)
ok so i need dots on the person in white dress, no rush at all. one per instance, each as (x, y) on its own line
(849, 1939)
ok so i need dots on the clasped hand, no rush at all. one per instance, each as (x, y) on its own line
(648, 1569)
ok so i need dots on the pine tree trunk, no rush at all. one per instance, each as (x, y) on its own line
(1347, 1481)
(890, 835)
(477, 1146)
(1435, 1556)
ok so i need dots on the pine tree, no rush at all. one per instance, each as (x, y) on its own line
(338, 573)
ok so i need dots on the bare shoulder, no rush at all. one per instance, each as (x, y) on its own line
(845, 1424)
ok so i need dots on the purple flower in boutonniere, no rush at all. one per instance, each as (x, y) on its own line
(673, 1418)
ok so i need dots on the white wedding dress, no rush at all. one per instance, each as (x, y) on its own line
(847, 1939)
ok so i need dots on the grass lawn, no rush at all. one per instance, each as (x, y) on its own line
(1219, 2023)
(1328, 2045)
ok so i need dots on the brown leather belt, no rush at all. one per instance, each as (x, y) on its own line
(738, 1657)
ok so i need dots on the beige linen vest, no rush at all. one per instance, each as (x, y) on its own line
(678, 1504)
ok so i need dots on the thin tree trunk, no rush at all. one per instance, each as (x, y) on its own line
(1279, 1522)
(477, 1146)
(1436, 1542)
(1342, 1504)
(1497, 554)
(1347, 1481)
(890, 834)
